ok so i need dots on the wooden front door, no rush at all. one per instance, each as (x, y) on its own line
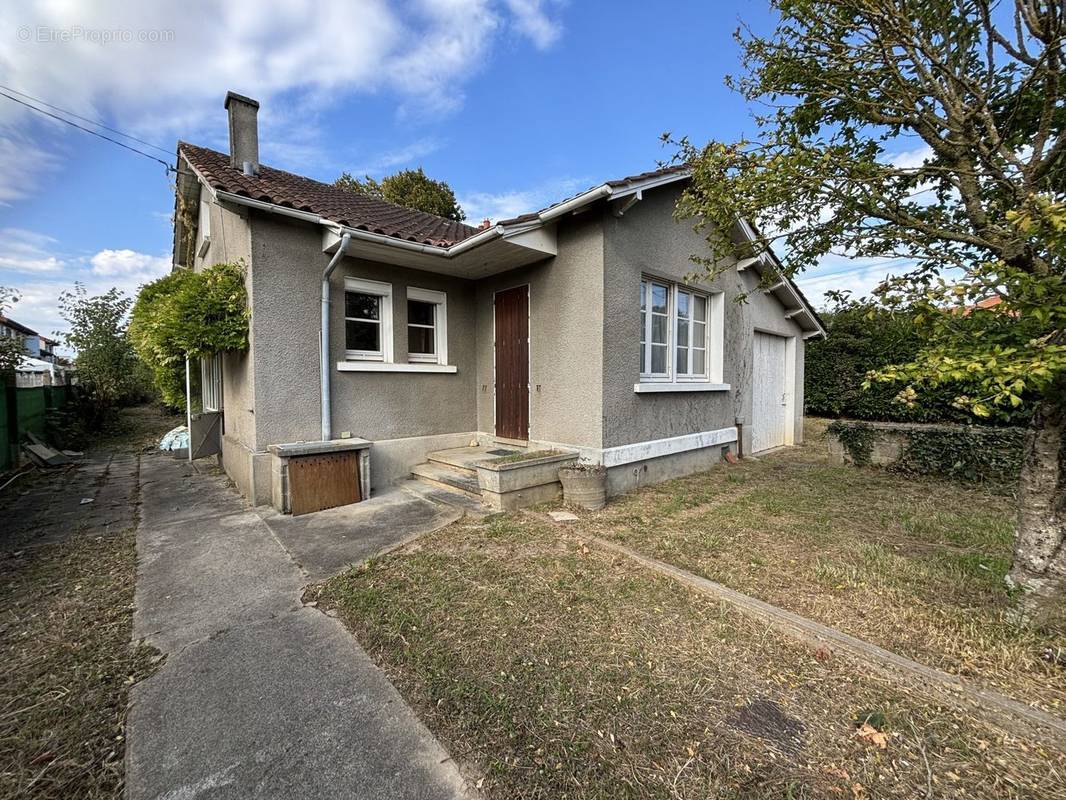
(512, 363)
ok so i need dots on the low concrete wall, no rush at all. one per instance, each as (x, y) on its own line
(507, 485)
(249, 470)
(970, 452)
(627, 477)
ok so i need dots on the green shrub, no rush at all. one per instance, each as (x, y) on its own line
(189, 314)
(863, 338)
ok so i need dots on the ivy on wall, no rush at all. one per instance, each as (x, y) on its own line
(192, 314)
(981, 454)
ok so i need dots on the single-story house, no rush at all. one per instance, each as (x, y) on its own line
(572, 328)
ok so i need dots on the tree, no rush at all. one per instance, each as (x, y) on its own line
(108, 370)
(973, 90)
(411, 188)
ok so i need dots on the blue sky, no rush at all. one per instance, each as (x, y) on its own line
(515, 103)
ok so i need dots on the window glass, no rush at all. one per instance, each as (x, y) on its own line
(419, 313)
(361, 306)
(421, 328)
(359, 335)
(673, 332)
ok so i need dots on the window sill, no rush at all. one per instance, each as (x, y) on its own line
(381, 366)
(695, 386)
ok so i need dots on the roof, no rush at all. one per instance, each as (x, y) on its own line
(677, 171)
(338, 205)
(18, 326)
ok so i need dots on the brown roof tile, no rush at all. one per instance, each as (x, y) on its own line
(337, 205)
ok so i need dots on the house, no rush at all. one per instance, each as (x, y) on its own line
(31, 340)
(39, 368)
(573, 327)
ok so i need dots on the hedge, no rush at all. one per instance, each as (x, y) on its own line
(861, 339)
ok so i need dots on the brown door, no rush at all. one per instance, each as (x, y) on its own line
(323, 481)
(512, 363)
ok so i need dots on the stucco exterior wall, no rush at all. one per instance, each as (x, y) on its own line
(288, 263)
(566, 339)
(647, 240)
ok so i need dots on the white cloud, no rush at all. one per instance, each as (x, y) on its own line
(128, 262)
(31, 265)
(533, 21)
(860, 276)
(405, 156)
(911, 159)
(510, 203)
(160, 69)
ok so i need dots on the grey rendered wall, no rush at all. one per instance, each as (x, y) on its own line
(231, 243)
(566, 346)
(288, 262)
(648, 240)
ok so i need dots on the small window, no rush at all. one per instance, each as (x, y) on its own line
(367, 320)
(427, 327)
(655, 329)
(691, 354)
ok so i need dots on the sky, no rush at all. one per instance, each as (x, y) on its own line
(515, 103)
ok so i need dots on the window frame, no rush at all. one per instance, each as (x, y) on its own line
(383, 291)
(713, 332)
(439, 301)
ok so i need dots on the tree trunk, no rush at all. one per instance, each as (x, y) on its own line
(1040, 547)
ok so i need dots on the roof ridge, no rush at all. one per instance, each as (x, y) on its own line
(366, 198)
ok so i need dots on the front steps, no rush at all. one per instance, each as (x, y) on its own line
(453, 470)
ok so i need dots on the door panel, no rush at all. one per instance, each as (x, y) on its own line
(769, 393)
(205, 436)
(323, 481)
(512, 363)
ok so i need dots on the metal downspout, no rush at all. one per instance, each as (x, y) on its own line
(323, 339)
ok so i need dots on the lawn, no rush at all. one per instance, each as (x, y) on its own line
(553, 669)
(66, 619)
(914, 565)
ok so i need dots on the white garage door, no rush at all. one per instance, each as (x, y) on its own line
(770, 393)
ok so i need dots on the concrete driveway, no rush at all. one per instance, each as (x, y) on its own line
(260, 696)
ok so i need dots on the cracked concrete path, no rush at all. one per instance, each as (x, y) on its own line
(259, 696)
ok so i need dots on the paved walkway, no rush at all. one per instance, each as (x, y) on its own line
(259, 695)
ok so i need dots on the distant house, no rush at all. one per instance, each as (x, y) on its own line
(576, 327)
(40, 367)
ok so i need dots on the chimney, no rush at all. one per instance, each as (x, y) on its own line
(485, 223)
(243, 133)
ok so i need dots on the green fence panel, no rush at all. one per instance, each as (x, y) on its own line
(6, 461)
(60, 396)
(32, 405)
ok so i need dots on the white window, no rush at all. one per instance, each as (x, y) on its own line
(427, 326)
(367, 320)
(680, 334)
(211, 382)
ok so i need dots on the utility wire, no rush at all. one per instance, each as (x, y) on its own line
(69, 113)
(169, 168)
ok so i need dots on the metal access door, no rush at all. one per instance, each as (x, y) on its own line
(205, 434)
(770, 392)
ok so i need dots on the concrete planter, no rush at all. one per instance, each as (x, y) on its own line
(506, 485)
(585, 486)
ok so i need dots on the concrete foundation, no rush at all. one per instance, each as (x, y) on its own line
(626, 477)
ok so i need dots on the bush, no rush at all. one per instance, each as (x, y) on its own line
(189, 314)
(861, 338)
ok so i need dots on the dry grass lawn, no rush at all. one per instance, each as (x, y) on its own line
(914, 565)
(552, 669)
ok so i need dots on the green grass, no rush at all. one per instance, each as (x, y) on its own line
(551, 669)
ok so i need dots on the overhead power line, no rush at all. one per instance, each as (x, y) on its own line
(89, 130)
(95, 122)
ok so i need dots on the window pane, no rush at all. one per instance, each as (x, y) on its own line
(420, 340)
(699, 362)
(643, 325)
(419, 313)
(658, 298)
(362, 335)
(682, 360)
(643, 295)
(699, 334)
(683, 303)
(364, 306)
(658, 358)
(699, 308)
(682, 333)
(658, 328)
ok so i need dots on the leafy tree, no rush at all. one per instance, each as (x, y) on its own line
(410, 188)
(12, 351)
(974, 90)
(192, 314)
(108, 371)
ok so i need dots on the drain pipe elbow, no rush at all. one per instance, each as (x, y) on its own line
(323, 339)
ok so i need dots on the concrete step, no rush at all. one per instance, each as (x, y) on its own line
(447, 477)
(448, 497)
(464, 458)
